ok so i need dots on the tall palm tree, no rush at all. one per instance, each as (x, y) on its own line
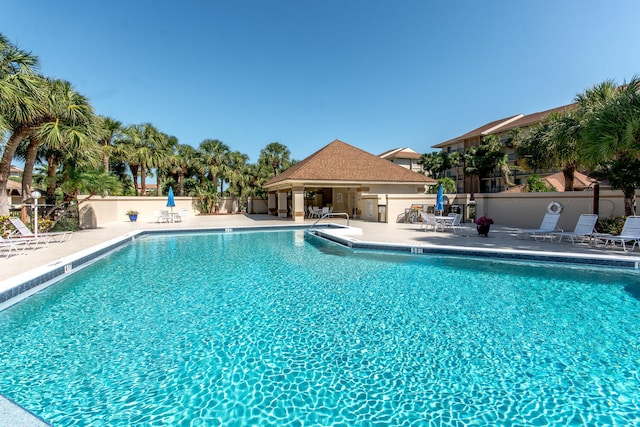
(277, 156)
(236, 173)
(67, 125)
(109, 130)
(183, 164)
(162, 161)
(139, 147)
(483, 159)
(215, 155)
(563, 146)
(21, 91)
(611, 136)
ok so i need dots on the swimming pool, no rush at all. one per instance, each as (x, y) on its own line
(272, 328)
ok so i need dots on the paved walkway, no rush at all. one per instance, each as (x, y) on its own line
(500, 238)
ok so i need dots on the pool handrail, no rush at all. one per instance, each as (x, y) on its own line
(331, 215)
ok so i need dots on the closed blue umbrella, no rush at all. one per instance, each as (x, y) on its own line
(440, 199)
(171, 203)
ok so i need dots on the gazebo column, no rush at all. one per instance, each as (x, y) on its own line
(282, 203)
(273, 210)
(297, 208)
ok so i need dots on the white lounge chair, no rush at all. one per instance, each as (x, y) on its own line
(630, 233)
(549, 225)
(46, 238)
(17, 245)
(584, 229)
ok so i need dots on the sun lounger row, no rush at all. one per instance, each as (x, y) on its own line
(25, 239)
(585, 230)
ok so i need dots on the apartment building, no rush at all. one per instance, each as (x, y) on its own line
(504, 129)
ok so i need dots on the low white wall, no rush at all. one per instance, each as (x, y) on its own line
(526, 210)
(98, 211)
(523, 210)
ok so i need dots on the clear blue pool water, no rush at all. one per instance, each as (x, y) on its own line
(267, 328)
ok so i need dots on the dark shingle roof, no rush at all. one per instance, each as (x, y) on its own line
(482, 130)
(340, 161)
(502, 125)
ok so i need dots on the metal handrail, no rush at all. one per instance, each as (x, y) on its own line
(331, 214)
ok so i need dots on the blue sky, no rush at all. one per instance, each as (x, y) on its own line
(375, 74)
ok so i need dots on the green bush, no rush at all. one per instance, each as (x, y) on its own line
(610, 225)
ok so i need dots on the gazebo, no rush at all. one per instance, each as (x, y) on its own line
(344, 178)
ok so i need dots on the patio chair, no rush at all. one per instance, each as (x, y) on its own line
(549, 225)
(428, 220)
(164, 216)
(584, 229)
(455, 223)
(46, 238)
(630, 233)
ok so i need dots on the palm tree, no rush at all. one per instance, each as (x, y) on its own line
(183, 164)
(532, 150)
(66, 126)
(237, 173)
(479, 161)
(20, 100)
(435, 164)
(164, 152)
(277, 156)
(611, 136)
(563, 146)
(215, 156)
(139, 147)
(109, 130)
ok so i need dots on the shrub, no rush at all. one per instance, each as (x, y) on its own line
(610, 225)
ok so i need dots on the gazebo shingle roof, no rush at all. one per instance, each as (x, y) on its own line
(340, 161)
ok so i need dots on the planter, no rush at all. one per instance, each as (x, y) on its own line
(133, 217)
(483, 229)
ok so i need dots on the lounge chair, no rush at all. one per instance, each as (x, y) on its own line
(18, 244)
(549, 225)
(630, 233)
(583, 230)
(46, 238)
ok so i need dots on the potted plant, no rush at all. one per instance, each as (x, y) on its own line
(133, 215)
(483, 224)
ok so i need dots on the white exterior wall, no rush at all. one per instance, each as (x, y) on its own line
(526, 210)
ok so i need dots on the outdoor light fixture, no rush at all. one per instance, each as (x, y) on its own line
(36, 195)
